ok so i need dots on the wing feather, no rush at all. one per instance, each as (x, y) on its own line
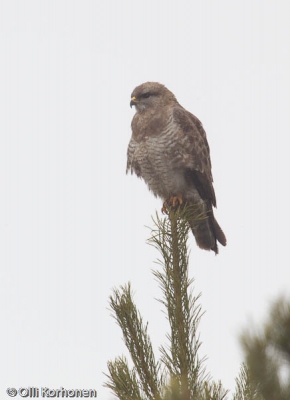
(195, 145)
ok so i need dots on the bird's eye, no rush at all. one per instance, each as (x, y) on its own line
(146, 95)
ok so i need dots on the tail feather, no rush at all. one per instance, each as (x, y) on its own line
(207, 233)
(220, 236)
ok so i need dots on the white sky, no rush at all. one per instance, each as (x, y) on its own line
(72, 224)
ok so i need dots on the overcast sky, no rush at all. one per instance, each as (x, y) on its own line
(73, 225)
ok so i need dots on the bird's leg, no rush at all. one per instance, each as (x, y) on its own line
(173, 202)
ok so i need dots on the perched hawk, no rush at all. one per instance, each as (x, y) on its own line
(169, 150)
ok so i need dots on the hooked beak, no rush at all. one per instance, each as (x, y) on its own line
(133, 101)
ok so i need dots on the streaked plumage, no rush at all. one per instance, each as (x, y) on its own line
(169, 150)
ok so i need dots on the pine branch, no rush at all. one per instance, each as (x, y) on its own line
(267, 354)
(179, 375)
(137, 341)
(212, 391)
(122, 381)
(182, 376)
(170, 238)
(246, 389)
(277, 329)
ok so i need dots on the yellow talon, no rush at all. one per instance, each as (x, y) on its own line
(174, 202)
(164, 208)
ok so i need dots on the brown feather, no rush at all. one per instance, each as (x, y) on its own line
(169, 150)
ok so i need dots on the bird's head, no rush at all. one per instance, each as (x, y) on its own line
(151, 95)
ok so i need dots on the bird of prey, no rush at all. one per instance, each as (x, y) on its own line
(169, 150)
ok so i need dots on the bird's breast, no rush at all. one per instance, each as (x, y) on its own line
(158, 164)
